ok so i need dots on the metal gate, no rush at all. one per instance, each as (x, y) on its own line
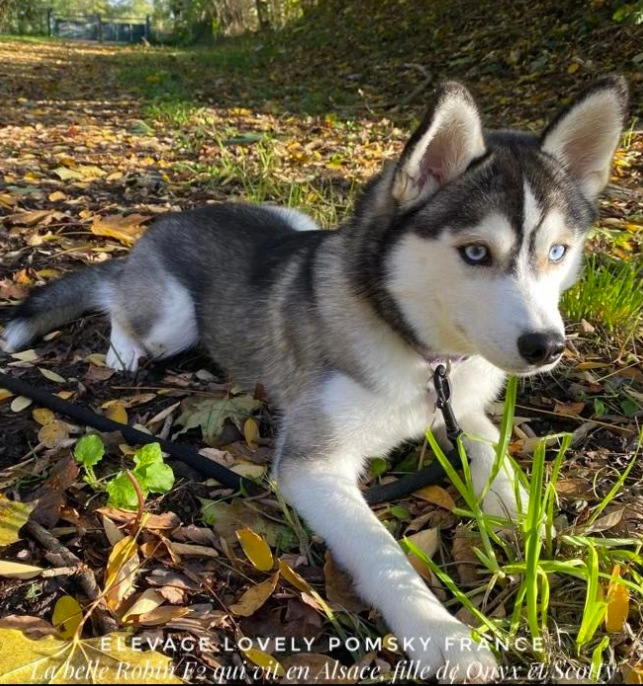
(97, 28)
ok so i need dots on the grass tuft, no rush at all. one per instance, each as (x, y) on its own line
(610, 295)
(559, 587)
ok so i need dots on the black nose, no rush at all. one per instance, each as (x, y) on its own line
(541, 348)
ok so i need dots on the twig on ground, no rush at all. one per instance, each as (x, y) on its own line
(104, 623)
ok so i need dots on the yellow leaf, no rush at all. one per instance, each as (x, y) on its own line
(120, 575)
(295, 579)
(67, 616)
(13, 516)
(268, 662)
(17, 570)
(47, 273)
(162, 615)
(25, 356)
(256, 549)
(54, 434)
(90, 171)
(52, 376)
(43, 416)
(632, 675)
(5, 394)
(125, 229)
(65, 395)
(117, 413)
(255, 597)
(573, 68)
(66, 174)
(56, 196)
(107, 659)
(437, 496)
(251, 433)
(618, 603)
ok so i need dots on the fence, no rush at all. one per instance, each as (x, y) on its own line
(97, 28)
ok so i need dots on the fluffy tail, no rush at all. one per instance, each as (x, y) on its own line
(61, 302)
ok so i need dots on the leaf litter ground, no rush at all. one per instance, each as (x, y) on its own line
(97, 141)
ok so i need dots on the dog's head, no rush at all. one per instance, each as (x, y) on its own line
(487, 229)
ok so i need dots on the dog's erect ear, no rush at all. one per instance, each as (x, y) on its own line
(442, 147)
(585, 135)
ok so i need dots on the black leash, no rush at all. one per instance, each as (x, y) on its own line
(85, 416)
(432, 474)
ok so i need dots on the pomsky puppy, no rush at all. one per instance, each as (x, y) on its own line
(458, 252)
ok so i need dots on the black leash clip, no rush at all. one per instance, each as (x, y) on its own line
(434, 472)
(442, 386)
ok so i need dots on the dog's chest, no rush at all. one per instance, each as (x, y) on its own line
(371, 422)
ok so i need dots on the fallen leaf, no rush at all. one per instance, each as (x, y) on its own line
(13, 516)
(255, 597)
(5, 394)
(436, 495)
(32, 627)
(251, 433)
(256, 549)
(161, 615)
(52, 376)
(268, 662)
(120, 573)
(298, 581)
(149, 600)
(113, 533)
(50, 496)
(125, 229)
(210, 414)
(227, 518)
(189, 550)
(48, 659)
(17, 570)
(54, 434)
(571, 409)
(466, 561)
(26, 356)
(117, 413)
(20, 403)
(606, 522)
(43, 416)
(67, 616)
(65, 174)
(618, 603)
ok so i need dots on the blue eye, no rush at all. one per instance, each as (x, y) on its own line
(476, 254)
(557, 252)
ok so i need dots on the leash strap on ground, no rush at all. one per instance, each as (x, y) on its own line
(87, 417)
(432, 474)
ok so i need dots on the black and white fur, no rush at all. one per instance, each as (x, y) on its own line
(460, 248)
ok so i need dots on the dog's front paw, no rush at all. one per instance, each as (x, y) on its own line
(452, 656)
(505, 499)
(508, 502)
